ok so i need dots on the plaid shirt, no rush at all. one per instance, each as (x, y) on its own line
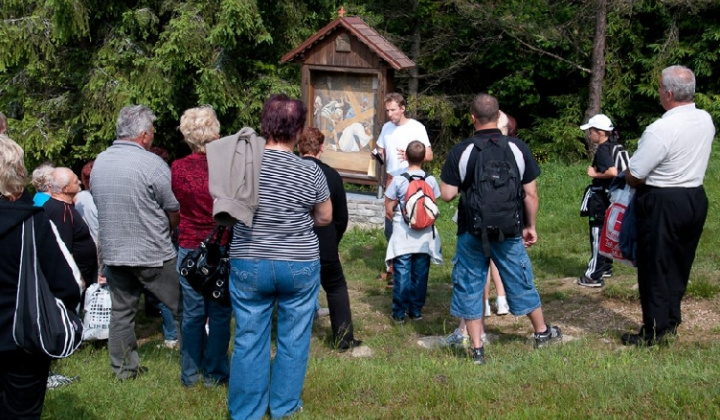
(132, 191)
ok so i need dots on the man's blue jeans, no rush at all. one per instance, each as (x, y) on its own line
(256, 286)
(470, 267)
(203, 356)
(410, 278)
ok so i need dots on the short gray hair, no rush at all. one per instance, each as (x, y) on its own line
(679, 80)
(60, 179)
(42, 177)
(133, 120)
(13, 175)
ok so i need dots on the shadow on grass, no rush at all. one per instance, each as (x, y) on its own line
(66, 405)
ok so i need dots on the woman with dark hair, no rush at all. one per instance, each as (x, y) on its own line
(275, 262)
(332, 279)
(23, 376)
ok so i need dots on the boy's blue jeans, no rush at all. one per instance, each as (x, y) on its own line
(410, 278)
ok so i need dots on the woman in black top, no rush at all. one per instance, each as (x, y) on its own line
(332, 278)
(23, 376)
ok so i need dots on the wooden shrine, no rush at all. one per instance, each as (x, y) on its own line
(347, 69)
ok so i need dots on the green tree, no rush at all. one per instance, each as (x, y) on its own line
(81, 61)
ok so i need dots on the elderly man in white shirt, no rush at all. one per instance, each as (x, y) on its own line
(670, 203)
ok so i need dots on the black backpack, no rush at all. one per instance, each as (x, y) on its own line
(494, 201)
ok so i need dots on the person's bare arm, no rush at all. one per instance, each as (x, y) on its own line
(322, 213)
(174, 217)
(632, 181)
(530, 205)
(448, 192)
(609, 173)
(428, 154)
(389, 206)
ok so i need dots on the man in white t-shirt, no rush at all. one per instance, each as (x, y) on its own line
(397, 133)
(668, 170)
(394, 138)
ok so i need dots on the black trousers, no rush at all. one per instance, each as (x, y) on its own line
(598, 264)
(23, 381)
(333, 282)
(669, 224)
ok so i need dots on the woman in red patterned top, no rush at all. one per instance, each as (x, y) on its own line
(201, 358)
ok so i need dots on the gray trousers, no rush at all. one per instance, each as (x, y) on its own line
(126, 284)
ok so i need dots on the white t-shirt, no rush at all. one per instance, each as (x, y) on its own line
(674, 150)
(393, 137)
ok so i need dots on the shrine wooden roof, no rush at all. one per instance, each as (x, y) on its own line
(367, 35)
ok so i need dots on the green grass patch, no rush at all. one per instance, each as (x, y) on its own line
(592, 377)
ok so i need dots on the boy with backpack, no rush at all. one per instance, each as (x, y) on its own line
(610, 159)
(414, 243)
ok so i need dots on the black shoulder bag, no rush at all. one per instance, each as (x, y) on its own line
(207, 268)
(42, 323)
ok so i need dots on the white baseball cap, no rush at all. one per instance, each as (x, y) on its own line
(600, 121)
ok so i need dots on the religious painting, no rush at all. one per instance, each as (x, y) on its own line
(344, 108)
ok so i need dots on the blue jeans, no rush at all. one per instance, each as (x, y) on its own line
(168, 325)
(410, 278)
(256, 287)
(470, 267)
(203, 356)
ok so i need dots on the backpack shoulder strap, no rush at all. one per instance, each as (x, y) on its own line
(621, 157)
(409, 177)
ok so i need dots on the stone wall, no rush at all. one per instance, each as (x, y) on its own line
(365, 211)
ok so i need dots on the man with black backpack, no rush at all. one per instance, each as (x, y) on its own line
(495, 177)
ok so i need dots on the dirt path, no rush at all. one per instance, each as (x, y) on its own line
(582, 311)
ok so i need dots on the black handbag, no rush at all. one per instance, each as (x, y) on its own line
(42, 324)
(207, 268)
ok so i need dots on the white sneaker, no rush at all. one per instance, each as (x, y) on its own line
(488, 311)
(502, 305)
(171, 344)
(456, 339)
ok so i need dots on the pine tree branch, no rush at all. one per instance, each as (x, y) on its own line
(555, 56)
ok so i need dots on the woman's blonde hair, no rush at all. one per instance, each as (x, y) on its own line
(13, 175)
(199, 127)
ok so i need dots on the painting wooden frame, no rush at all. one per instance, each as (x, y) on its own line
(347, 69)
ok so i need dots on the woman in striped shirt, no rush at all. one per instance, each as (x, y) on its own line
(276, 262)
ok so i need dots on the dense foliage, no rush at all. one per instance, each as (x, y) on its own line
(68, 66)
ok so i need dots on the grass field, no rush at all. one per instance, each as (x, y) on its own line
(591, 376)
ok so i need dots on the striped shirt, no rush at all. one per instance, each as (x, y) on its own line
(282, 227)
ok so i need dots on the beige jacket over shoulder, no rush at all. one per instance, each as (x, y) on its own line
(233, 175)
